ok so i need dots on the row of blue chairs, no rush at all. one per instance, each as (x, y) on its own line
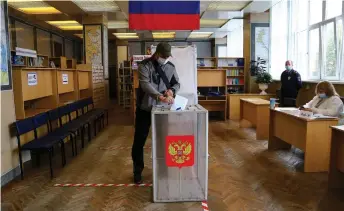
(65, 126)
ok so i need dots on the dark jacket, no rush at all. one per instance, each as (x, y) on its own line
(291, 84)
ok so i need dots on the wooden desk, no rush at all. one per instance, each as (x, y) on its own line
(313, 136)
(234, 103)
(214, 104)
(256, 111)
(336, 171)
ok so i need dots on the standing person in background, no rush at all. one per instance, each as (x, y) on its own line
(158, 84)
(291, 84)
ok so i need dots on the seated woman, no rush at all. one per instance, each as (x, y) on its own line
(326, 101)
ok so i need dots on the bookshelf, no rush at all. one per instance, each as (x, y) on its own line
(125, 84)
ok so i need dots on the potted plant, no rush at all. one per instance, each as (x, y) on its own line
(257, 66)
(263, 80)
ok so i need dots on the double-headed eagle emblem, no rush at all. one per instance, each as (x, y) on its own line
(180, 151)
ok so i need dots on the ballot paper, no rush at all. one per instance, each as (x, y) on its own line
(179, 103)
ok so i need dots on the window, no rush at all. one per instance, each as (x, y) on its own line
(24, 35)
(279, 38)
(221, 51)
(311, 34)
(314, 70)
(340, 48)
(235, 39)
(43, 42)
(329, 52)
(315, 11)
(333, 8)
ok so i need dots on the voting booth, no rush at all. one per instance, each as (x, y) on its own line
(180, 139)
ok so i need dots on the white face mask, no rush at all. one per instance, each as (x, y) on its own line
(162, 61)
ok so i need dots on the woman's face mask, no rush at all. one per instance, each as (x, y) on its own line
(322, 95)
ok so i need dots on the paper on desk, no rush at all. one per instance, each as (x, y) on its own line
(179, 103)
(286, 109)
(320, 116)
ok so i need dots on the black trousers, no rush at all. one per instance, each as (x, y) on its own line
(142, 126)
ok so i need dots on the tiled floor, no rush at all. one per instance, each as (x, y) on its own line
(243, 175)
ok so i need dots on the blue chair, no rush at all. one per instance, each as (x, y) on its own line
(72, 126)
(81, 120)
(38, 144)
(97, 114)
(61, 129)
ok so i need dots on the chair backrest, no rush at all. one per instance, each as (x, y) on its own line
(88, 102)
(64, 111)
(75, 107)
(24, 126)
(40, 120)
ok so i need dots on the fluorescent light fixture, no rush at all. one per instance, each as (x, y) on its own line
(118, 25)
(97, 5)
(66, 25)
(213, 23)
(199, 35)
(228, 6)
(164, 35)
(126, 35)
(79, 35)
(36, 7)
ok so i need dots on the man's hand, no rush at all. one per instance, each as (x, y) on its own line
(169, 93)
(168, 99)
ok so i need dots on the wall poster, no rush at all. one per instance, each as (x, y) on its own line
(105, 53)
(5, 64)
(93, 44)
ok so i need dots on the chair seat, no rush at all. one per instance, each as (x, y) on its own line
(44, 142)
(61, 132)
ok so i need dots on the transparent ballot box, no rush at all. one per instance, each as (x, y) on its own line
(180, 154)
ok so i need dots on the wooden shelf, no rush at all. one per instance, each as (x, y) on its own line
(235, 84)
(33, 112)
(235, 76)
(232, 67)
(40, 94)
(84, 80)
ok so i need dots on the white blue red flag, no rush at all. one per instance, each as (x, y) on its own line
(164, 15)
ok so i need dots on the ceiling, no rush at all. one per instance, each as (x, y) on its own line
(218, 18)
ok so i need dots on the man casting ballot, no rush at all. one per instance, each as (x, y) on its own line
(158, 84)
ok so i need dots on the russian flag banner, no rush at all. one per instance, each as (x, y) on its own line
(164, 15)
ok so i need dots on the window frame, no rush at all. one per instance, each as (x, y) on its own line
(293, 39)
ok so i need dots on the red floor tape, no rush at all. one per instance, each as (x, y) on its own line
(102, 185)
(205, 206)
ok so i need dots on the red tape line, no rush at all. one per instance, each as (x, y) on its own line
(114, 148)
(102, 185)
(205, 206)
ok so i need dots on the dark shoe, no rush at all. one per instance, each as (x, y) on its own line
(138, 179)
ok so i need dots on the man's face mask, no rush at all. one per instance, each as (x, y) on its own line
(163, 61)
(288, 67)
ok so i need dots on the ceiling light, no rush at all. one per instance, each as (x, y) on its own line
(213, 23)
(97, 5)
(118, 25)
(199, 35)
(228, 6)
(66, 25)
(71, 27)
(79, 35)
(126, 35)
(164, 35)
(36, 7)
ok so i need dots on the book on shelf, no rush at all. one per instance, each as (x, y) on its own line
(235, 72)
(235, 81)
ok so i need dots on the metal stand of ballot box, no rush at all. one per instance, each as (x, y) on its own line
(180, 154)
